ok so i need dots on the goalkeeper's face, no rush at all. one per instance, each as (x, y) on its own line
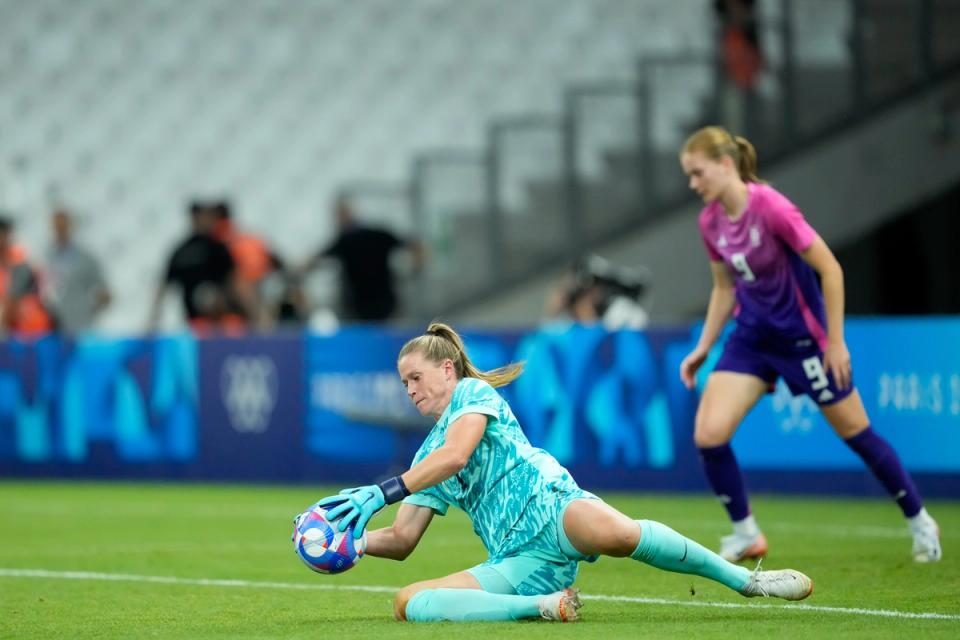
(429, 384)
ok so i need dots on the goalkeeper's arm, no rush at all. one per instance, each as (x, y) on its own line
(461, 440)
(400, 539)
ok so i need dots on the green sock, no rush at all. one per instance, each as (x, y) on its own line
(663, 548)
(463, 605)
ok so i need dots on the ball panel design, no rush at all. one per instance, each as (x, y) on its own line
(321, 547)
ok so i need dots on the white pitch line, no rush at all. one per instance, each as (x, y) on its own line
(203, 582)
(209, 582)
(883, 613)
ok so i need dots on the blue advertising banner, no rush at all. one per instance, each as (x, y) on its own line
(609, 406)
(98, 407)
(251, 408)
(599, 403)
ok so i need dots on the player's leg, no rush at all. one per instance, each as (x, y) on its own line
(592, 527)
(849, 420)
(726, 400)
(480, 594)
(459, 580)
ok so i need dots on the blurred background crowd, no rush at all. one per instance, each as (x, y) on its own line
(254, 165)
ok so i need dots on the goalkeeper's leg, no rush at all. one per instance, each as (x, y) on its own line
(460, 598)
(592, 527)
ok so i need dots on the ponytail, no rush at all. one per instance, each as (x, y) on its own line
(716, 142)
(746, 159)
(441, 342)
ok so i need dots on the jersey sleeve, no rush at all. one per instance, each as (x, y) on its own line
(707, 241)
(475, 396)
(427, 498)
(787, 222)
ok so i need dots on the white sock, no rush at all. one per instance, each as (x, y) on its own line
(746, 527)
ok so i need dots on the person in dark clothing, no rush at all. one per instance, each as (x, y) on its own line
(367, 287)
(204, 270)
(740, 41)
(743, 63)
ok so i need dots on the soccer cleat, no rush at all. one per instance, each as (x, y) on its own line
(561, 605)
(783, 583)
(926, 542)
(736, 547)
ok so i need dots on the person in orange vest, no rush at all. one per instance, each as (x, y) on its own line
(253, 262)
(22, 313)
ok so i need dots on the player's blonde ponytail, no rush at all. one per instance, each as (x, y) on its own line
(746, 159)
(715, 142)
(441, 342)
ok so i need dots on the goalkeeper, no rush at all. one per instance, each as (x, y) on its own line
(536, 523)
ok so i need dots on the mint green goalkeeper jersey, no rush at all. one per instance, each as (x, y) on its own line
(510, 489)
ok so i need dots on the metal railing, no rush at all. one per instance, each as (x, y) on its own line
(547, 188)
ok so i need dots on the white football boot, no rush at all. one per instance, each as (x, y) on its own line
(926, 538)
(561, 606)
(783, 583)
(737, 547)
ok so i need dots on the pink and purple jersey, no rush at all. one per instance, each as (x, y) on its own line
(778, 294)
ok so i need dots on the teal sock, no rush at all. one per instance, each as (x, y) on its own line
(463, 605)
(663, 548)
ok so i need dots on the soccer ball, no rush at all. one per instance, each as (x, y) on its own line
(323, 548)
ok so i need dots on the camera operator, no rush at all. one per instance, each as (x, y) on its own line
(595, 290)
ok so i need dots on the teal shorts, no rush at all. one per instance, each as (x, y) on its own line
(548, 563)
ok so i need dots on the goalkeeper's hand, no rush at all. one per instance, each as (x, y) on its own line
(360, 504)
(354, 506)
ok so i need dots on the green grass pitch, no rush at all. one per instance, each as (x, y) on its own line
(92, 560)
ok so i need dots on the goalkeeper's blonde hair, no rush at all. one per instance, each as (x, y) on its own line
(441, 342)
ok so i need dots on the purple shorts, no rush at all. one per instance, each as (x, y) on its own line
(798, 362)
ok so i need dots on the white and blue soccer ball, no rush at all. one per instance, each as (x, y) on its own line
(323, 548)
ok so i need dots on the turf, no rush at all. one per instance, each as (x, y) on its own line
(857, 551)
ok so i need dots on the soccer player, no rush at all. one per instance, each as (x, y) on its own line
(766, 261)
(534, 520)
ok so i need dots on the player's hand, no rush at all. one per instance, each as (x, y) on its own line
(836, 360)
(691, 364)
(355, 506)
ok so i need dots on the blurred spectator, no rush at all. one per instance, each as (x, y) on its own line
(253, 262)
(205, 272)
(22, 312)
(740, 41)
(742, 60)
(75, 290)
(594, 290)
(367, 289)
(288, 305)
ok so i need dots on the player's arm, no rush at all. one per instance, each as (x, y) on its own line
(312, 263)
(356, 506)
(318, 258)
(719, 310)
(461, 440)
(400, 539)
(836, 357)
(722, 302)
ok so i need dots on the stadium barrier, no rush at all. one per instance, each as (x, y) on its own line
(331, 409)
